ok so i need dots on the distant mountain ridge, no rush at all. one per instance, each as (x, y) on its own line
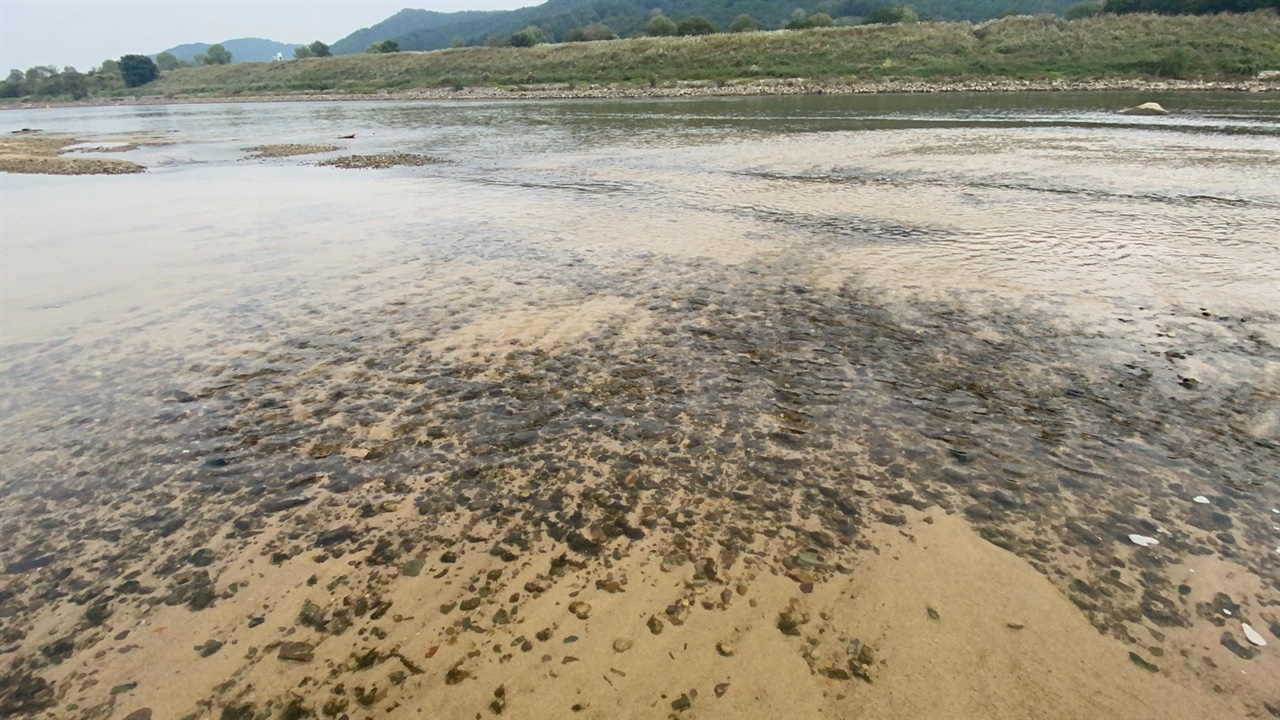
(241, 49)
(401, 24)
(429, 30)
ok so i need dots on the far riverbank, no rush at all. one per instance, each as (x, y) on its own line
(694, 89)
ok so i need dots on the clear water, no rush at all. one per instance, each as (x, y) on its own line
(1024, 307)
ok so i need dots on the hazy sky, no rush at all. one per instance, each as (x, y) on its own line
(83, 33)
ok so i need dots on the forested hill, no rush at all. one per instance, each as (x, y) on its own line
(403, 23)
(426, 30)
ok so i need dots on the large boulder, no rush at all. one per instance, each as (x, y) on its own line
(1145, 109)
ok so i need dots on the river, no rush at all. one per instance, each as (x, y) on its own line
(1054, 321)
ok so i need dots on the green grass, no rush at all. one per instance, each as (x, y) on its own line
(1208, 47)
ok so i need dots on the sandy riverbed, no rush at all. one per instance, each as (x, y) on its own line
(813, 441)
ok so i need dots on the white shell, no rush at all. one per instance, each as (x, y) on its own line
(1201, 499)
(1253, 635)
(1143, 540)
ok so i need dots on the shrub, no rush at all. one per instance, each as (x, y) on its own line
(1085, 9)
(661, 26)
(216, 55)
(892, 15)
(744, 23)
(798, 21)
(598, 31)
(696, 25)
(167, 61)
(528, 37)
(821, 20)
(383, 46)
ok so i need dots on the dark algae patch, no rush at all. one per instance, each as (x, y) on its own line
(759, 423)
(380, 162)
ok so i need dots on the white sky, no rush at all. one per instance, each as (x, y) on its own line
(83, 33)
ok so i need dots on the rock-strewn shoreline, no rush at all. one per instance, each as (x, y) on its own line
(685, 89)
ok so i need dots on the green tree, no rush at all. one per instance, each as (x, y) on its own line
(40, 72)
(303, 52)
(319, 49)
(138, 70)
(661, 26)
(167, 61)
(68, 83)
(599, 31)
(458, 41)
(383, 46)
(891, 15)
(744, 23)
(528, 37)
(15, 85)
(1085, 9)
(217, 55)
(109, 67)
(821, 20)
(696, 25)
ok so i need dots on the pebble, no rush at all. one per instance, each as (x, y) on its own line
(1253, 636)
(203, 557)
(212, 647)
(655, 625)
(1201, 499)
(726, 650)
(413, 568)
(1142, 663)
(621, 645)
(580, 609)
(1143, 540)
(296, 651)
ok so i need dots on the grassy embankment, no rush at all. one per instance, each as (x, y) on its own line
(1208, 47)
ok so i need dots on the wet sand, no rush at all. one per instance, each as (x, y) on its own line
(40, 154)
(848, 429)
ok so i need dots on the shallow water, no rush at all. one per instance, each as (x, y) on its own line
(1060, 321)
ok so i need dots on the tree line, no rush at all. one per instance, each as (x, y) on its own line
(130, 71)
(659, 25)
